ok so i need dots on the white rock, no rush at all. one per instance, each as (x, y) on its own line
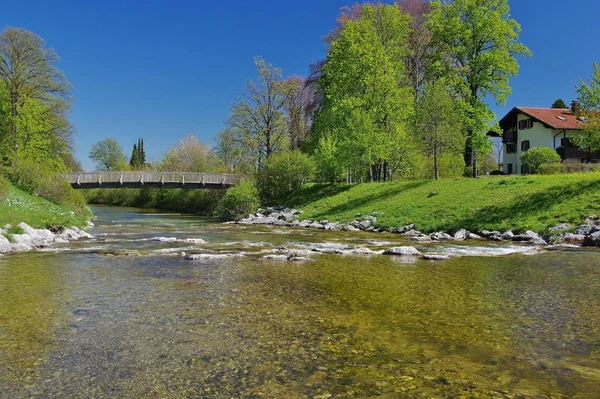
(194, 241)
(276, 257)
(402, 251)
(213, 256)
(4, 245)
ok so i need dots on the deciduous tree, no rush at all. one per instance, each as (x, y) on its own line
(108, 155)
(189, 155)
(477, 43)
(588, 96)
(438, 123)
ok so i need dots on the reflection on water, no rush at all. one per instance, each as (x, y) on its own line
(124, 316)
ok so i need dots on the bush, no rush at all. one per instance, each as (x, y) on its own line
(239, 201)
(533, 158)
(496, 173)
(553, 169)
(43, 182)
(284, 174)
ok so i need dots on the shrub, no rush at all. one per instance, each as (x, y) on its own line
(533, 158)
(239, 201)
(43, 182)
(284, 174)
(496, 173)
(551, 169)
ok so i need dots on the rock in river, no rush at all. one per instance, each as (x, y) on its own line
(402, 251)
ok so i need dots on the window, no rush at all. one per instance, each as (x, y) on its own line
(524, 145)
(510, 148)
(525, 124)
(509, 169)
(583, 119)
(562, 118)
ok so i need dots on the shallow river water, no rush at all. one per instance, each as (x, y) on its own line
(126, 315)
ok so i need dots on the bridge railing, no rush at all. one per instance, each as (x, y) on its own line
(152, 177)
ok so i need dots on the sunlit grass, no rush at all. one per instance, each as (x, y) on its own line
(19, 206)
(502, 202)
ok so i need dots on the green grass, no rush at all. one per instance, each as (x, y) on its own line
(495, 203)
(18, 206)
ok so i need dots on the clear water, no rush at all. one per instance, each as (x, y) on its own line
(125, 315)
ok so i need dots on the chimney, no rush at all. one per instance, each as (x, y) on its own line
(575, 107)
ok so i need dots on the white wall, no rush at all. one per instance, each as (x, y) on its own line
(538, 136)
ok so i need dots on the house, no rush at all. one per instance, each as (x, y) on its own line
(526, 127)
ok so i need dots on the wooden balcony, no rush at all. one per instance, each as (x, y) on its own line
(576, 153)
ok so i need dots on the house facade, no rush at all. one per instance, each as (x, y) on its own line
(527, 127)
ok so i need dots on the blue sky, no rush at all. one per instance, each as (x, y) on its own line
(162, 69)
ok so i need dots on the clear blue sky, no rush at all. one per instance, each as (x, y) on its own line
(161, 69)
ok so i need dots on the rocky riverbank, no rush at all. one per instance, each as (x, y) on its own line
(30, 239)
(587, 234)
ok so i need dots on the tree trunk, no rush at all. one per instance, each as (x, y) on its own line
(436, 167)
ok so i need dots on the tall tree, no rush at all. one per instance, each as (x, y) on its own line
(108, 155)
(438, 126)
(559, 103)
(298, 97)
(37, 96)
(134, 160)
(258, 117)
(477, 43)
(588, 96)
(366, 96)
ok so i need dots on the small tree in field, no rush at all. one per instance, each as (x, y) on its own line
(533, 158)
(438, 127)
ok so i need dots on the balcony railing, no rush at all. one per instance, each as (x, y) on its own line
(576, 153)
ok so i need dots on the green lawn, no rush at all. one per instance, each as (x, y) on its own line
(19, 206)
(501, 202)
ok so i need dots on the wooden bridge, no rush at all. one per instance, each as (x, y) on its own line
(188, 180)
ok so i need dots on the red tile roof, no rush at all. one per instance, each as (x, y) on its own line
(553, 117)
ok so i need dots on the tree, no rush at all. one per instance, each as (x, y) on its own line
(283, 174)
(298, 97)
(419, 41)
(258, 117)
(367, 101)
(108, 155)
(559, 103)
(189, 155)
(588, 96)
(438, 126)
(477, 43)
(138, 155)
(37, 98)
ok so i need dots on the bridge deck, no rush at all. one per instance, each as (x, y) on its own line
(190, 180)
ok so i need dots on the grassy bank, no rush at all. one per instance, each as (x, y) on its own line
(17, 206)
(518, 203)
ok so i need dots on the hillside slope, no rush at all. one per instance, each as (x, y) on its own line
(18, 206)
(495, 203)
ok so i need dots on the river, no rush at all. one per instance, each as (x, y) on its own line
(126, 315)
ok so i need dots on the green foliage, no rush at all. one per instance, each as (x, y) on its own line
(137, 160)
(533, 158)
(284, 174)
(239, 201)
(108, 155)
(4, 187)
(40, 180)
(559, 103)
(328, 166)
(189, 155)
(512, 202)
(438, 127)
(553, 169)
(588, 95)
(34, 101)
(38, 212)
(477, 44)
(367, 101)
